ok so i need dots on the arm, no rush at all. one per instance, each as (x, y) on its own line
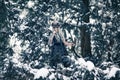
(64, 41)
(68, 43)
(51, 39)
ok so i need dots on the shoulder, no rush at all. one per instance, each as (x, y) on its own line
(61, 32)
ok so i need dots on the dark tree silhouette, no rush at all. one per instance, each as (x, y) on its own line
(85, 33)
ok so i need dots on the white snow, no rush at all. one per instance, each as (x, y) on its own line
(12, 2)
(23, 27)
(68, 20)
(119, 29)
(72, 58)
(112, 72)
(81, 61)
(110, 2)
(50, 28)
(101, 4)
(100, 12)
(74, 22)
(109, 23)
(43, 72)
(118, 13)
(56, 16)
(92, 8)
(23, 14)
(43, 49)
(30, 4)
(72, 33)
(52, 76)
(63, 0)
(90, 66)
(92, 21)
(15, 60)
(103, 27)
(66, 78)
(12, 40)
(27, 43)
(15, 43)
(106, 71)
(67, 33)
(45, 34)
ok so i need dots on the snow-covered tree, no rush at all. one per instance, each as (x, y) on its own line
(92, 24)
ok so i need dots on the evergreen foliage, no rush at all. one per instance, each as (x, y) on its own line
(25, 28)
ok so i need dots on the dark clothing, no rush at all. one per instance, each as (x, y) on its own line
(58, 51)
(58, 47)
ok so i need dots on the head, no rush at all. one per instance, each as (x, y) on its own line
(56, 26)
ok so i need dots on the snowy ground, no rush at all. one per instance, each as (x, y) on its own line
(78, 70)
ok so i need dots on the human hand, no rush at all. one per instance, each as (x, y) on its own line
(71, 44)
(54, 32)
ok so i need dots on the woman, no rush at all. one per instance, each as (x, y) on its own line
(57, 43)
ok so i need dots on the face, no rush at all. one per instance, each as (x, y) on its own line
(56, 29)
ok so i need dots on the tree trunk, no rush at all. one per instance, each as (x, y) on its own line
(3, 37)
(85, 35)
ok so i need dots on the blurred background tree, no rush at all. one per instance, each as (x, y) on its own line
(5, 51)
(104, 30)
